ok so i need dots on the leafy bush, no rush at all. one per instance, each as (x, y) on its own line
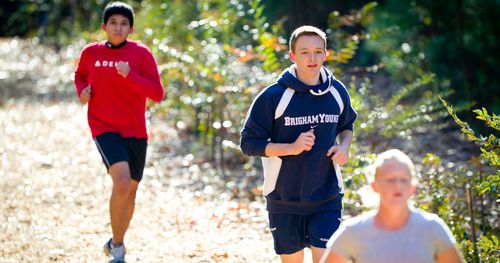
(213, 57)
(489, 145)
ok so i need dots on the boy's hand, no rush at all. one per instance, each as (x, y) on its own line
(122, 68)
(339, 154)
(85, 95)
(304, 142)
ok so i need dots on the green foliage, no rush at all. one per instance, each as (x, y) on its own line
(403, 113)
(490, 248)
(453, 40)
(489, 145)
(213, 67)
(487, 187)
(394, 112)
(270, 45)
(342, 36)
(54, 22)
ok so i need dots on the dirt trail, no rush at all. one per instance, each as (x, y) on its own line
(54, 190)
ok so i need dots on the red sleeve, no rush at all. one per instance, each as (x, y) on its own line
(81, 73)
(147, 81)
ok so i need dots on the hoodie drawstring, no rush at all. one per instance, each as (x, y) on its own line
(324, 75)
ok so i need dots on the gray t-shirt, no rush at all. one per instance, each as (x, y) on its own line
(424, 236)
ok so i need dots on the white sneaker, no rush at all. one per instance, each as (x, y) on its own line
(117, 253)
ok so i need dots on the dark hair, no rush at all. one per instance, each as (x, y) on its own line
(306, 31)
(119, 8)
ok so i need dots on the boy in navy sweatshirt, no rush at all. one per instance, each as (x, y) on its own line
(115, 77)
(302, 127)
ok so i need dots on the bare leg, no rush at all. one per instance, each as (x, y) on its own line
(119, 201)
(317, 253)
(297, 257)
(131, 200)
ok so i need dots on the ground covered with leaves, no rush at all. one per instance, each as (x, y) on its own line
(54, 189)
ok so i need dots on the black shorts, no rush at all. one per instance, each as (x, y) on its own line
(114, 148)
(293, 232)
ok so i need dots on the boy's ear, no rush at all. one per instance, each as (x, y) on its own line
(413, 188)
(103, 26)
(374, 186)
(131, 30)
(292, 56)
(326, 55)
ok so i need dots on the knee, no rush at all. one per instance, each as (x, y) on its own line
(120, 173)
(122, 186)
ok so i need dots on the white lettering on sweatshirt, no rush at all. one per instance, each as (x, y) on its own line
(311, 119)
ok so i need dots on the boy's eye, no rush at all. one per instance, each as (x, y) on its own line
(397, 180)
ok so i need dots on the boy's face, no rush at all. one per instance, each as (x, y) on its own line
(393, 183)
(309, 54)
(117, 28)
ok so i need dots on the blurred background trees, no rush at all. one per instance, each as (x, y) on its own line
(397, 59)
(455, 40)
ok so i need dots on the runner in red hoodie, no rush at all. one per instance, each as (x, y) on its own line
(115, 77)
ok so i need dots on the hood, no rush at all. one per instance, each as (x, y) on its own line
(289, 79)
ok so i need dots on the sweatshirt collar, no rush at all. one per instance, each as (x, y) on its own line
(289, 79)
(109, 45)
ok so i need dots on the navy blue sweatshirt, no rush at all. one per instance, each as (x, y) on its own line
(309, 182)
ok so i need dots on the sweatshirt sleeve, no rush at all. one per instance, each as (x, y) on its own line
(147, 80)
(258, 125)
(349, 115)
(82, 72)
(342, 242)
(443, 238)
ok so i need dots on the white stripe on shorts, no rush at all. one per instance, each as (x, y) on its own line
(102, 153)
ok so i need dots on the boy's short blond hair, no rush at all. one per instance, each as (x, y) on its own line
(305, 31)
(395, 155)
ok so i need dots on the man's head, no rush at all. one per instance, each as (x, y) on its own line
(118, 8)
(394, 177)
(397, 156)
(308, 51)
(118, 20)
(306, 31)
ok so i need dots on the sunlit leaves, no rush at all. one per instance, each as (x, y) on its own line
(490, 147)
(211, 52)
(492, 121)
(490, 248)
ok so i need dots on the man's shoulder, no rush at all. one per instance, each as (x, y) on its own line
(340, 87)
(275, 87)
(425, 217)
(338, 83)
(90, 47)
(139, 46)
(365, 220)
(273, 90)
(433, 224)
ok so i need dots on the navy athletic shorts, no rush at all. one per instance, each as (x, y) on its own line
(114, 148)
(294, 232)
